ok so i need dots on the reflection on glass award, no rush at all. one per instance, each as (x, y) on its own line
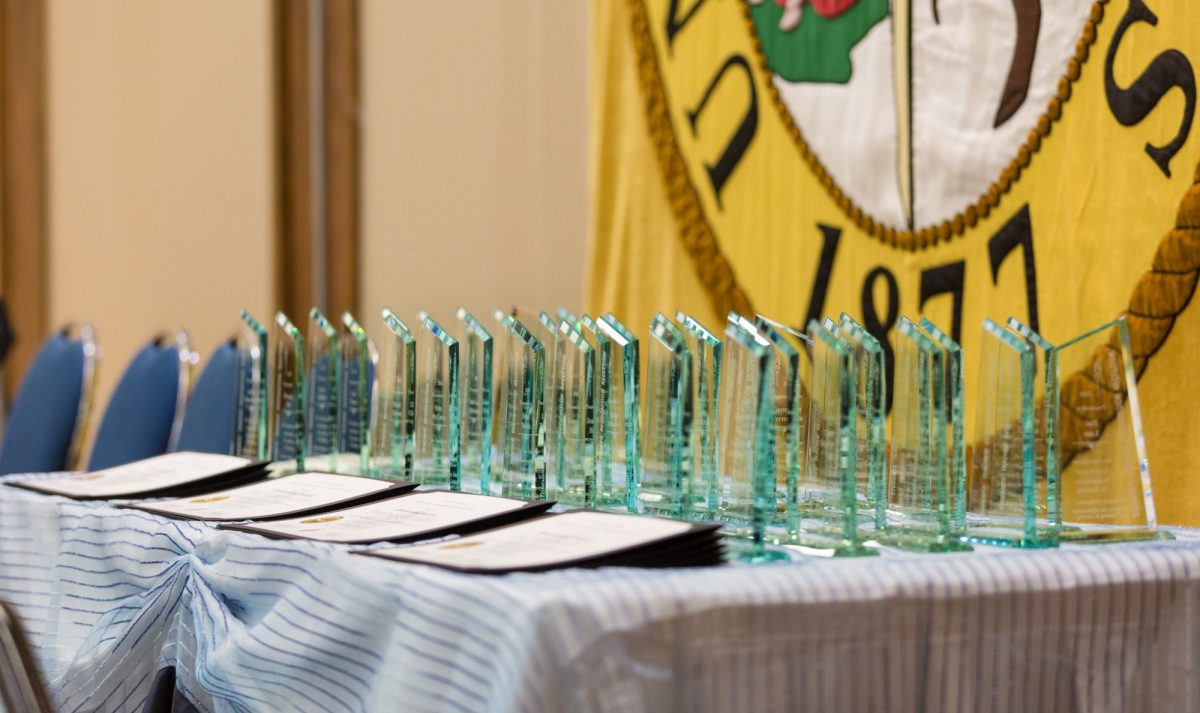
(324, 361)
(919, 484)
(952, 356)
(704, 351)
(475, 390)
(573, 481)
(746, 473)
(1099, 444)
(618, 415)
(871, 417)
(1010, 501)
(792, 366)
(286, 428)
(250, 428)
(828, 494)
(354, 401)
(522, 437)
(395, 402)
(666, 466)
(436, 443)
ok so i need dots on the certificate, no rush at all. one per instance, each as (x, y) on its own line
(289, 496)
(576, 538)
(410, 517)
(167, 474)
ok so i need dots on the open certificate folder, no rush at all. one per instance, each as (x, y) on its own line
(289, 496)
(579, 538)
(170, 475)
(415, 516)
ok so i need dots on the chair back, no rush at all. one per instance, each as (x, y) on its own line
(21, 686)
(208, 421)
(48, 417)
(145, 411)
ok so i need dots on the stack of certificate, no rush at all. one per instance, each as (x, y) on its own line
(171, 475)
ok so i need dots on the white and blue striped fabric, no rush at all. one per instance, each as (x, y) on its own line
(110, 596)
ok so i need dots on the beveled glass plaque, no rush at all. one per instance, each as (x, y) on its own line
(354, 402)
(919, 483)
(395, 402)
(573, 482)
(871, 417)
(746, 473)
(1010, 501)
(286, 427)
(324, 361)
(618, 416)
(792, 366)
(704, 350)
(436, 443)
(250, 428)
(522, 435)
(666, 468)
(1098, 443)
(952, 355)
(475, 390)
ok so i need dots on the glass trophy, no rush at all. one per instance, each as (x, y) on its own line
(919, 484)
(475, 391)
(828, 495)
(1011, 502)
(354, 402)
(286, 427)
(746, 473)
(618, 415)
(704, 349)
(250, 429)
(395, 402)
(871, 417)
(952, 355)
(792, 366)
(436, 441)
(324, 361)
(1097, 444)
(573, 482)
(522, 436)
(545, 330)
(666, 467)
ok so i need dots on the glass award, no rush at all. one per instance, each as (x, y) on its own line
(286, 427)
(747, 430)
(475, 406)
(395, 402)
(436, 441)
(919, 483)
(704, 350)
(618, 415)
(1011, 502)
(871, 417)
(522, 436)
(545, 330)
(573, 481)
(828, 495)
(952, 355)
(1097, 444)
(663, 488)
(250, 428)
(354, 401)
(324, 361)
(792, 366)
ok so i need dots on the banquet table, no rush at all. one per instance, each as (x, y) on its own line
(110, 597)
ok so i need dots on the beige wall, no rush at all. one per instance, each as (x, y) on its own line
(474, 131)
(160, 169)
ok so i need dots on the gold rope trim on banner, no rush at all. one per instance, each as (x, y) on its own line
(712, 267)
(931, 235)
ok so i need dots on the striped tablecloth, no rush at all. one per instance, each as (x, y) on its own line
(110, 596)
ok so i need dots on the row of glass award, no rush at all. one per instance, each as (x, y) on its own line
(779, 434)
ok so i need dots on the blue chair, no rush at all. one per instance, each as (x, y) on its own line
(47, 421)
(145, 411)
(208, 422)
